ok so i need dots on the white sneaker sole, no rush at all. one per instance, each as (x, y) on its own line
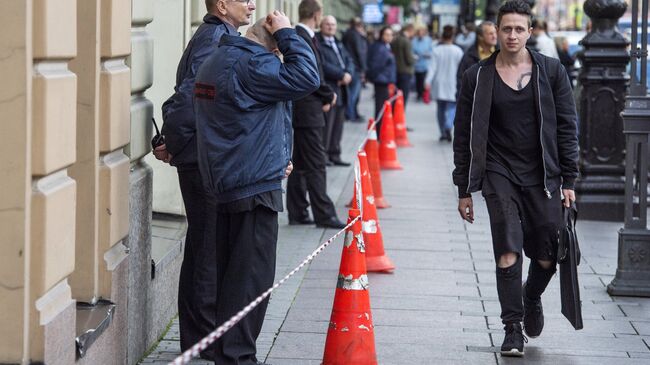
(512, 353)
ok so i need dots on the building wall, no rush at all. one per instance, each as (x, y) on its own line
(84, 79)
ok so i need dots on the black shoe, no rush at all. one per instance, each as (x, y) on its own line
(513, 343)
(533, 315)
(329, 163)
(339, 162)
(332, 222)
(296, 222)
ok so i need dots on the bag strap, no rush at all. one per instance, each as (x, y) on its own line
(570, 214)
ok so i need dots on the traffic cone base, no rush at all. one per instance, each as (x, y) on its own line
(381, 203)
(390, 165)
(403, 143)
(379, 264)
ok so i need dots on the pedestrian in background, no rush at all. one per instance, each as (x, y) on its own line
(568, 61)
(309, 155)
(544, 43)
(338, 68)
(381, 69)
(197, 291)
(486, 41)
(516, 141)
(244, 160)
(441, 79)
(466, 37)
(404, 59)
(356, 43)
(422, 48)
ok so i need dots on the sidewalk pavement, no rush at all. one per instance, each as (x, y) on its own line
(440, 305)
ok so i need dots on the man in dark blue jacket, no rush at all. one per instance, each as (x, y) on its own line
(242, 103)
(338, 69)
(197, 284)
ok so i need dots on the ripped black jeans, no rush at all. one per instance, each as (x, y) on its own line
(523, 220)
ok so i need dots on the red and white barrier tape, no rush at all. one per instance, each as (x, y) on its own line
(185, 357)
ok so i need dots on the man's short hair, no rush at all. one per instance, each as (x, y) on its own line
(480, 30)
(448, 32)
(308, 8)
(539, 24)
(515, 7)
(355, 22)
(209, 4)
(263, 35)
(408, 27)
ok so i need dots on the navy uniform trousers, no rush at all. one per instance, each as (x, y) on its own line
(197, 287)
(246, 240)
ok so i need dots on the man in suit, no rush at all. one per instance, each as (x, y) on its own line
(338, 68)
(309, 157)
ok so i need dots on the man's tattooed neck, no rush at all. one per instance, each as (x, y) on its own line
(520, 82)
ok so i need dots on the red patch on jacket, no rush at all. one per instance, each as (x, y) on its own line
(205, 91)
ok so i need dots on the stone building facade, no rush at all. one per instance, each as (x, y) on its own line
(82, 79)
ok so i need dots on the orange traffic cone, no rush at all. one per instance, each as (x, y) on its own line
(376, 259)
(387, 146)
(391, 90)
(350, 337)
(372, 151)
(401, 138)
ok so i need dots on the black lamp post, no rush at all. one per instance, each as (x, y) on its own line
(633, 271)
(602, 86)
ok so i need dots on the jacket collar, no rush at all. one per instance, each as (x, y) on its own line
(306, 29)
(213, 19)
(490, 61)
(324, 39)
(241, 42)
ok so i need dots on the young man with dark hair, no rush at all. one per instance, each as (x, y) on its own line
(516, 140)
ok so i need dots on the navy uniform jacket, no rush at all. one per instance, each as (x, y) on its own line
(242, 103)
(178, 112)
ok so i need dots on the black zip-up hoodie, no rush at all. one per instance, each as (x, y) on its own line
(555, 112)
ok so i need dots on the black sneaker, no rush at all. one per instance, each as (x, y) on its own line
(513, 343)
(533, 315)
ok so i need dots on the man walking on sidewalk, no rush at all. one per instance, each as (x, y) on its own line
(516, 140)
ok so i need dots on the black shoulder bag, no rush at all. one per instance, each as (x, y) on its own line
(569, 258)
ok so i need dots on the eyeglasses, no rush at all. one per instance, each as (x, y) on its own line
(247, 2)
